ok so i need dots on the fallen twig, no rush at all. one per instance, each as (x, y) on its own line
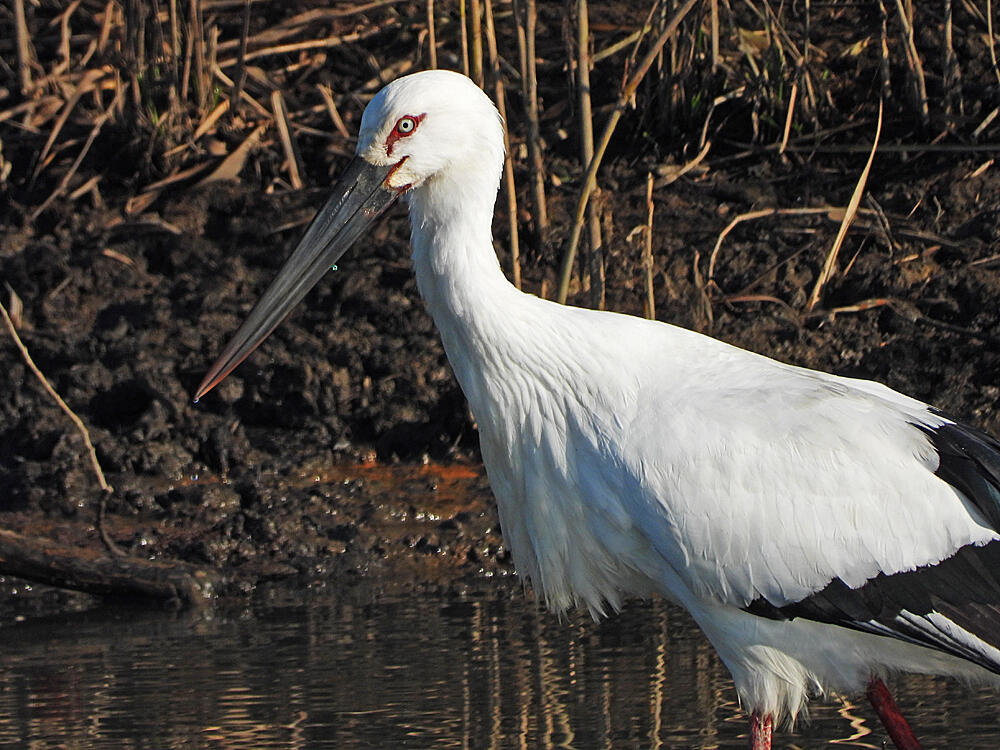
(759, 298)
(64, 181)
(90, 79)
(985, 261)
(331, 107)
(616, 47)
(77, 422)
(750, 216)
(230, 167)
(862, 306)
(323, 43)
(257, 106)
(788, 118)
(139, 203)
(907, 311)
(84, 569)
(293, 25)
(284, 133)
(668, 173)
(210, 119)
(979, 170)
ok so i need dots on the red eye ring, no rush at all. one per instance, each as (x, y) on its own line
(406, 125)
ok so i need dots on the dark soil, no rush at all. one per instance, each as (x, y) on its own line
(343, 447)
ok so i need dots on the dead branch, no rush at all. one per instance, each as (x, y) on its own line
(88, 570)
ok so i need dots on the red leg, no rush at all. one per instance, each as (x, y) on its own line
(892, 718)
(760, 731)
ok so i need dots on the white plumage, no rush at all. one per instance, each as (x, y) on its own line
(631, 457)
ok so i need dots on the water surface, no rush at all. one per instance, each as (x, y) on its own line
(422, 671)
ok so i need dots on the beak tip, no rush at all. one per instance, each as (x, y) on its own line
(208, 383)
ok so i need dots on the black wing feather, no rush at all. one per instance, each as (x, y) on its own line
(970, 462)
(964, 588)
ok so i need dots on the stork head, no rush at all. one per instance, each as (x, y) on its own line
(421, 130)
(431, 124)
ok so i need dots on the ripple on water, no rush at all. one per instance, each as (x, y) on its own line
(420, 672)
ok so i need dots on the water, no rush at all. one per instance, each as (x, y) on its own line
(423, 671)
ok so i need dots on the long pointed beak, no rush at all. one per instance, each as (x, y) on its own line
(358, 199)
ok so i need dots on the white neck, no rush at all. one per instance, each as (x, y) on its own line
(458, 273)
(451, 217)
(524, 364)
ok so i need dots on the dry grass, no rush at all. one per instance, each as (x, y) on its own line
(181, 93)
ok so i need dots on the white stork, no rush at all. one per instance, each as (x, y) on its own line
(823, 531)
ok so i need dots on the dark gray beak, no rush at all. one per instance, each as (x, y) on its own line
(358, 199)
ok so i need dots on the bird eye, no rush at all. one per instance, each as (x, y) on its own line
(406, 125)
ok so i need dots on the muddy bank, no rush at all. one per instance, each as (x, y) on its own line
(290, 468)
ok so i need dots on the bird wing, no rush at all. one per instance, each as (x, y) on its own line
(952, 605)
(791, 493)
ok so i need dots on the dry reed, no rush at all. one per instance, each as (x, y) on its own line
(529, 75)
(510, 189)
(205, 91)
(590, 181)
(595, 262)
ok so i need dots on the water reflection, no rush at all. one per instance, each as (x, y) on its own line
(420, 672)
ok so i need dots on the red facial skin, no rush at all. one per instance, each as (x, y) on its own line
(396, 134)
(390, 141)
